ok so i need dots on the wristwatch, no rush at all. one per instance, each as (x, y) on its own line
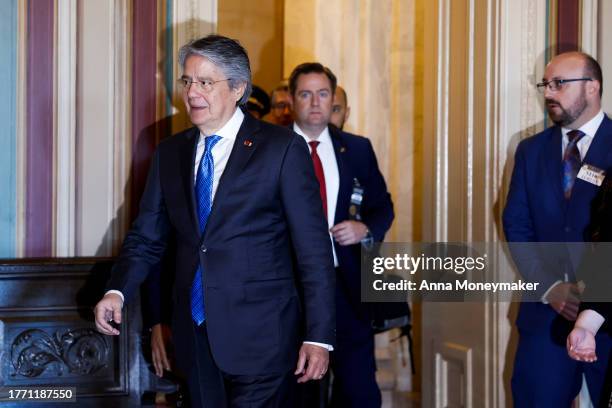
(368, 241)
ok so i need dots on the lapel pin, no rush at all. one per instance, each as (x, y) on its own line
(342, 149)
(248, 143)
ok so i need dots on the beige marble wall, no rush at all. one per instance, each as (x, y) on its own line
(482, 58)
(369, 45)
(259, 27)
(604, 55)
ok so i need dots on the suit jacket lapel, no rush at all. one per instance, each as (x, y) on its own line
(601, 146)
(188, 156)
(554, 165)
(345, 187)
(599, 155)
(244, 146)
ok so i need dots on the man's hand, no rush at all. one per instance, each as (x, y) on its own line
(581, 345)
(349, 232)
(160, 338)
(564, 298)
(107, 309)
(312, 363)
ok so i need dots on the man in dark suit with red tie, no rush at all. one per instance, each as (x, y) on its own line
(242, 202)
(346, 166)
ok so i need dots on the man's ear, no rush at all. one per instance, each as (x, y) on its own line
(239, 91)
(347, 113)
(593, 87)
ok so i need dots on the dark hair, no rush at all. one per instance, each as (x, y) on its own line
(225, 53)
(592, 69)
(279, 88)
(309, 68)
(259, 101)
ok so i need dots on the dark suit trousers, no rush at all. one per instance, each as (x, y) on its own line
(544, 375)
(353, 362)
(210, 387)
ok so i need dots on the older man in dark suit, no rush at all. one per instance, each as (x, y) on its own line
(241, 199)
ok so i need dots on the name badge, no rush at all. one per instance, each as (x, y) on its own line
(591, 174)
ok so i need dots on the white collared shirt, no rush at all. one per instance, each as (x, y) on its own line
(326, 153)
(222, 150)
(589, 129)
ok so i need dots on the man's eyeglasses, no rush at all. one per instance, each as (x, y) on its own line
(281, 106)
(555, 85)
(205, 86)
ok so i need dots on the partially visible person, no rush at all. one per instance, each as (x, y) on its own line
(258, 103)
(340, 109)
(581, 344)
(359, 210)
(282, 112)
(596, 309)
(582, 341)
(157, 312)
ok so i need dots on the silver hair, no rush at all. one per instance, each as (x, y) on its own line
(225, 53)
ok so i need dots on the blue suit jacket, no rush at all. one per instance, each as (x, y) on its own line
(356, 160)
(265, 236)
(536, 211)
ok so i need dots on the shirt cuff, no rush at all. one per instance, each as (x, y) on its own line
(116, 292)
(325, 346)
(543, 298)
(590, 320)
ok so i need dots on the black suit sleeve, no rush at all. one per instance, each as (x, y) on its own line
(145, 243)
(301, 202)
(377, 208)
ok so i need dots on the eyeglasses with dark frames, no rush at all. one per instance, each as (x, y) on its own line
(555, 85)
(205, 86)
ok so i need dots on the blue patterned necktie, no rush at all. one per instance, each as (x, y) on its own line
(571, 162)
(203, 194)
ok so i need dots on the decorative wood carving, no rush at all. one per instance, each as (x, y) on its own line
(79, 351)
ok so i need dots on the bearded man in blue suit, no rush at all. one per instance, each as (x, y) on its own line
(549, 201)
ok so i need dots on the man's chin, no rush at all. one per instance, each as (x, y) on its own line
(556, 117)
(198, 117)
(559, 120)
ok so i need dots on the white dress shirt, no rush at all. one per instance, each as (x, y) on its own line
(221, 152)
(326, 153)
(590, 320)
(589, 129)
(222, 149)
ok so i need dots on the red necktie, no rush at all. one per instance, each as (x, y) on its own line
(318, 168)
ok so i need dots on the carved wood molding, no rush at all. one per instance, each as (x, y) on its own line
(80, 352)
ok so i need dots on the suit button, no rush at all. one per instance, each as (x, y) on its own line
(568, 229)
(203, 249)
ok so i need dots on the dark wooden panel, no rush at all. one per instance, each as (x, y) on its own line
(48, 338)
(568, 26)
